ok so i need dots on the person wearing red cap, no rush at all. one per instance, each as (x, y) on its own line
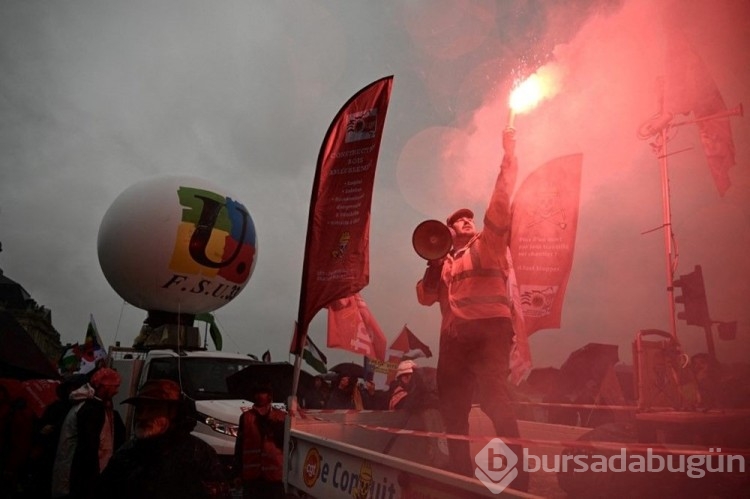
(476, 332)
(89, 435)
(164, 459)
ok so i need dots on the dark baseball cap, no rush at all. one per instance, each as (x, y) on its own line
(463, 212)
(157, 390)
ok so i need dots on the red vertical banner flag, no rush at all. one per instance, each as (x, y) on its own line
(336, 263)
(543, 233)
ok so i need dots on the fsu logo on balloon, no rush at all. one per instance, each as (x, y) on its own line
(220, 242)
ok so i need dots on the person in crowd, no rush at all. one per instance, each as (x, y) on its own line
(372, 398)
(258, 448)
(315, 396)
(404, 374)
(410, 391)
(164, 459)
(476, 332)
(344, 394)
(49, 425)
(89, 435)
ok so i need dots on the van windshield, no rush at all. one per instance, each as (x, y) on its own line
(202, 378)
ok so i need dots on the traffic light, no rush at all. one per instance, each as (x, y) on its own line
(693, 298)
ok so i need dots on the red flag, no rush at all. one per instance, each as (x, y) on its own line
(336, 261)
(408, 345)
(543, 234)
(690, 87)
(352, 327)
(39, 394)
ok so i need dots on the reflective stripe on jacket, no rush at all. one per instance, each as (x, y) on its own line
(477, 290)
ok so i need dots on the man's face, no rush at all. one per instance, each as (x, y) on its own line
(152, 418)
(262, 402)
(464, 226)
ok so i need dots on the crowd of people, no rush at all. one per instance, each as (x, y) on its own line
(77, 448)
(408, 389)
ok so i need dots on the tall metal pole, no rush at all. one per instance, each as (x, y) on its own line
(657, 128)
(667, 226)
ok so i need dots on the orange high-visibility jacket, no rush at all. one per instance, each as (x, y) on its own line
(261, 457)
(473, 280)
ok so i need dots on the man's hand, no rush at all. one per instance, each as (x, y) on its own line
(509, 141)
(432, 274)
(438, 263)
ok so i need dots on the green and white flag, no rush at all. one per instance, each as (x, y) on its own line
(314, 357)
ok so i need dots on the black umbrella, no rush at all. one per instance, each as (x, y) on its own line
(543, 379)
(277, 375)
(589, 363)
(20, 357)
(349, 369)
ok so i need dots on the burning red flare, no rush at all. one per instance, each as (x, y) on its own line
(527, 94)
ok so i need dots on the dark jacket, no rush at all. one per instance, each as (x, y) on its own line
(175, 464)
(341, 399)
(85, 467)
(76, 464)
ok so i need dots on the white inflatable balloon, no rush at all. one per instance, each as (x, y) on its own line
(177, 244)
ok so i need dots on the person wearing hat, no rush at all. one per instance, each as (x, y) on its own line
(258, 455)
(404, 374)
(476, 332)
(89, 435)
(164, 459)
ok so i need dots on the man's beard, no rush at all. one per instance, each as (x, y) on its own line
(150, 428)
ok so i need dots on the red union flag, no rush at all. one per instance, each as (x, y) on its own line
(689, 87)
(543, 234)
(336, 263)
(352, 327)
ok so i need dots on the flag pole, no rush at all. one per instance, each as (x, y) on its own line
(667, 224)
(658, 128)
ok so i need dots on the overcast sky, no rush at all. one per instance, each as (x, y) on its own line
(96, 95)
